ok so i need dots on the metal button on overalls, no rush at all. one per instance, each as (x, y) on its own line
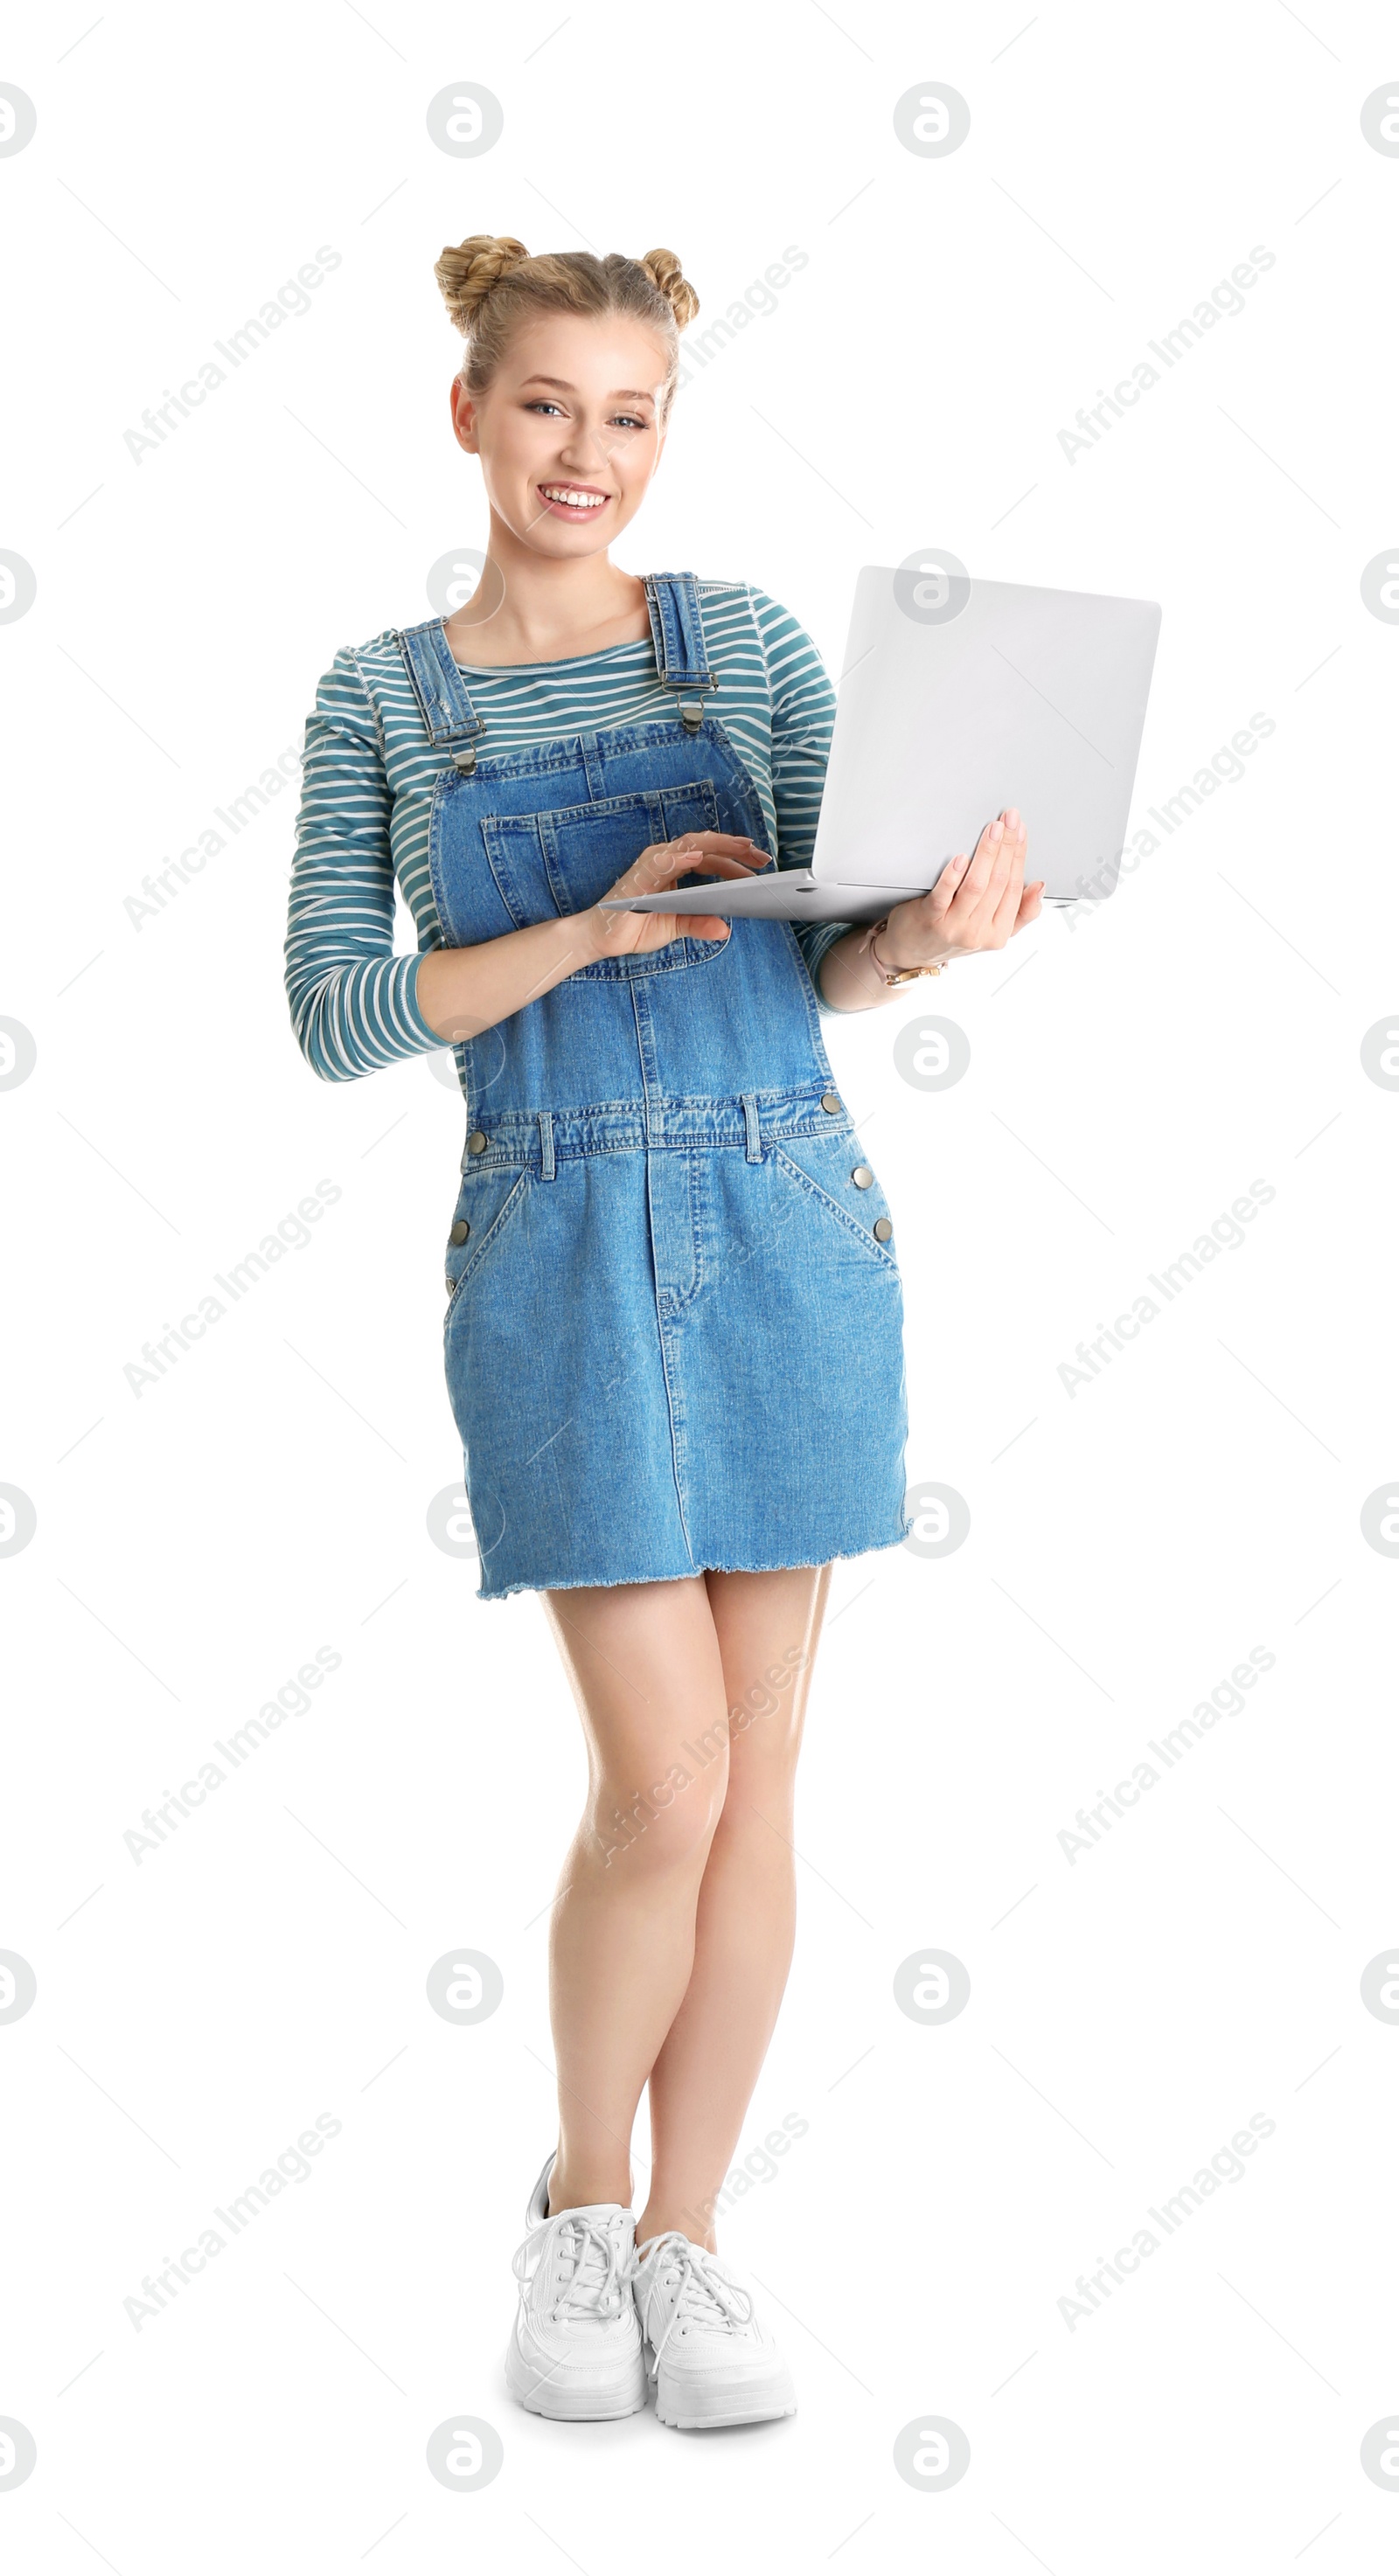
(673, 1348)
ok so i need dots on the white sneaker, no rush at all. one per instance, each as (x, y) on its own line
(575, 2353)
(713, 2360)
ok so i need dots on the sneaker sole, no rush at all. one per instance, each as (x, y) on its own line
(759, 2406)
(714, 2423)
(570, 2405)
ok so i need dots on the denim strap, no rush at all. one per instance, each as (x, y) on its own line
(440, 688)
(546, 1144)
(677, 633)
(444, 701)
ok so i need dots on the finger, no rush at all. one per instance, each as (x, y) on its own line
(944, 893)
(715, 863)
(1008, 835)
(735, 852)
(661, 927)
(969, 890)
(1007, 912)
(985, 858)
(655, 872)
(1003, 898)
(971, 915)
(982, 889)
(705, 863)
(1015, 833)
(713, 840)
(1014, 917)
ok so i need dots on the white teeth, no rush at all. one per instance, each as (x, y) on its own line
(575, 500)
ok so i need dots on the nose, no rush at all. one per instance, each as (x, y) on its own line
(585, 452)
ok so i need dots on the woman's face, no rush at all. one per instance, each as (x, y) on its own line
(568, 434)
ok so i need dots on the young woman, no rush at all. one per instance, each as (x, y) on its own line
(673, 1338)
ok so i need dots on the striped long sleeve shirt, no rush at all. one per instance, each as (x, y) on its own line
(368, 772)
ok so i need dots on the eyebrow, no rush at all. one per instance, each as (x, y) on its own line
(620, 393)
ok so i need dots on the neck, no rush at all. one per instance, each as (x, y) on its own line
(529, 607)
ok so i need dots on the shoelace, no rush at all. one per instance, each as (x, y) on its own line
(600, 2272)
(707, 2296)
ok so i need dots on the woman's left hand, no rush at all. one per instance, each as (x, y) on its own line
(977, 903)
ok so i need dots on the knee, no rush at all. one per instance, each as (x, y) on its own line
(764, 1742)
(764, 1725)
(658, 1831)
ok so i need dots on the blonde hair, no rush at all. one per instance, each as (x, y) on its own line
(490, 284)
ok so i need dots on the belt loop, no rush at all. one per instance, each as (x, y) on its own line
(546, 1143)
(754, 1133)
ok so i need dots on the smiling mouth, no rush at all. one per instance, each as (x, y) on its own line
(576, 498)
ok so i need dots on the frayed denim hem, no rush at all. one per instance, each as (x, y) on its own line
(683, 1573)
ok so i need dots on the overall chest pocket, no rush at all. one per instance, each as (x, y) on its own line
(546, 864)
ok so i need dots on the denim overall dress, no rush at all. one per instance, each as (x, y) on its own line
(674, 1331)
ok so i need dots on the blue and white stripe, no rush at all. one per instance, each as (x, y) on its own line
(368, 775)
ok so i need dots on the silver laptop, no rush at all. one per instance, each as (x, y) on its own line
(957, 698)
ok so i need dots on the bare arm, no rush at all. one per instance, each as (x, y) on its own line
(462, 991)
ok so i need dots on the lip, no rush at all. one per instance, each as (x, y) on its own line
(561, 509)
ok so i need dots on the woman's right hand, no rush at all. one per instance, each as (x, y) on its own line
(461, 991)
(630, 934)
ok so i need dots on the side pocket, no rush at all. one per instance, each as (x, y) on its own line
(823, 1168)
(486, 1204)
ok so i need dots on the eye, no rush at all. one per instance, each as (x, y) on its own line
(629, 420)
(542, 405)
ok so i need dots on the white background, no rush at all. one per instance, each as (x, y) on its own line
(1130, 1543)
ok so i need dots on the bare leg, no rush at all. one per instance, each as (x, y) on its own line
(767, 1626)
(645, 1664)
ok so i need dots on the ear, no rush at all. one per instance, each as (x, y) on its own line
(464, 418)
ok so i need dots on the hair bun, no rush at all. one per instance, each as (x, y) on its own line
(663, 269)
(468, 270)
